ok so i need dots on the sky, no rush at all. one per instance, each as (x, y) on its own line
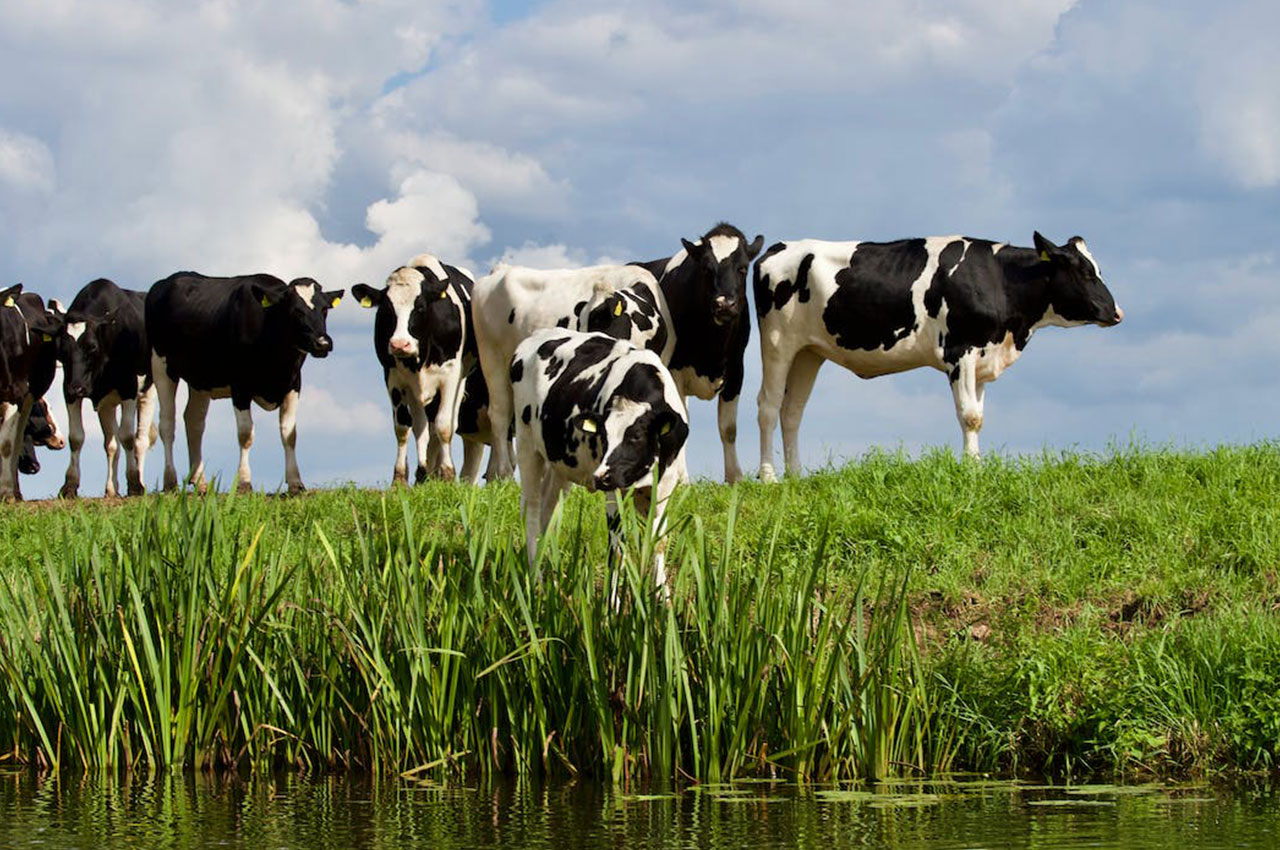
(337, 139)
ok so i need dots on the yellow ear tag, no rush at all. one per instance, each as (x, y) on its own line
(444, 293)
(46, 337)
(8, 302)
(335, 302)
(666, 429)
(617, 311)
(589, 425)
(265, 301)
(365, 302)
(1044, 256)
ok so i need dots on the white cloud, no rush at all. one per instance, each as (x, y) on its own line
(25, 163)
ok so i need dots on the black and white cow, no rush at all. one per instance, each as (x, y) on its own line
(705, 290)
(242, 337)
(42, 432)
(599, 412)
(964, 306)
(423, 338)
(513, 302)
(27, 364)
(105, 358)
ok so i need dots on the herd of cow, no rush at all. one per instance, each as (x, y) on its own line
(587, 370)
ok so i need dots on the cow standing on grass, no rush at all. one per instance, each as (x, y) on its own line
(704, 287)
(27, 364)
(600, 412)
(966, 307)
(424, 339)
(513, 302)
(242, 337)
(105, 358)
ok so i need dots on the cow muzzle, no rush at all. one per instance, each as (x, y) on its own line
(402, 348)
(604, 481)
(322, 346)
(724, 310)
(1119, 315)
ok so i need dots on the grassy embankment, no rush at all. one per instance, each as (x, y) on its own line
(1059, 614)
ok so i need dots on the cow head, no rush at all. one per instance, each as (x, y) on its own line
(303, 310)
(416, 304)
(721, 258)
(83, 347)
(42, 431)
(637, 430)
(1077, 295)
(29, 329)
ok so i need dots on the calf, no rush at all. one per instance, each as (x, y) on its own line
(105, 358)
(512, 302)
(243, 337)
(41, 432)
(705, 288)
(423, 338)
(599, 412)
(966, 307)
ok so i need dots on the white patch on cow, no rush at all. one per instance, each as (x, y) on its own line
(307, 292)
(75, 329)
(622, 414)
(429, 262)
(722, 247)
(995, 357)
(403, 286)
(1052, 318)
(1084, 251)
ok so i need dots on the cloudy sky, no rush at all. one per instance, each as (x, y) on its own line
(337, 139)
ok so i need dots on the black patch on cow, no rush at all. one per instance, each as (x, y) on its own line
(526, 414)
(562, 322)
(511, 317)
(871, 307)
(569, 394)
(403, 417)
(783, 290)
(395, 396)
(517, 371)
(611, 318)
(475, 403)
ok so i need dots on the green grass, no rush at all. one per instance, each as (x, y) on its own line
(1062, 614)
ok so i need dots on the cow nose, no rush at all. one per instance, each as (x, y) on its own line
(723, 308)
(56, 442)
(401, 347)
(1119, 314)
(604, 481)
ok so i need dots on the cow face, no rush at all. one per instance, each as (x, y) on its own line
(417, 302)
(304, 310)
(1077, 295)
(83, 347)
(722, 257)
(638, 430)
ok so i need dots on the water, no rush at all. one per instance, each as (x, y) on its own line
(295, 812)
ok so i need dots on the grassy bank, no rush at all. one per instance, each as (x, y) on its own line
(1063, 614)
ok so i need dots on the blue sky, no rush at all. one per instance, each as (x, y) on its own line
(336, 140)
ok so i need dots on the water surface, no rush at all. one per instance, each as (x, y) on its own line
(298, 812)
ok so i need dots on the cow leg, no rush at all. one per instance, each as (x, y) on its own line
(129, 441)
(75, 437)
(968, 395)
(244, 435)
(107, 411)
(497, 374)
(11, 428)
(445, 423)
(193, 417)
(800, 378)
(144, 437)
(167, 396)
(289, 437)
(402, 419)
(533, 469)
(472, 454)
(727, 419)
(773, 387)
(422, 437)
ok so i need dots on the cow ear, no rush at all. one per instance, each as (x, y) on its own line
(55, 306)
(7, 296)
(689, 247)
(267, 297)
(1046, 248)
(329, 300)
(588, 423)
(755, 246)
(664, 424)
(367, 295)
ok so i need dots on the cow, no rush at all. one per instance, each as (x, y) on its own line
(41, 432)
(240, 337)
(27, 364)
(599, 412)
(512, 302)
(704, 286)
(423, 338)
(966, 307)
(105, 358)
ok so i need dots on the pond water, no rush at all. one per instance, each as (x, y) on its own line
(957, 812)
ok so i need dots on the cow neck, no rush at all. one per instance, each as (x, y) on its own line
(1030, 288)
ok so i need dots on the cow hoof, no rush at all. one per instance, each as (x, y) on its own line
(137, 489)
(767, 475)
(69, 491)
(400, 479)
(170, 482)
(297, 489)
(420, 475)
(202, 488)
(244, 487)
(448, 474)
